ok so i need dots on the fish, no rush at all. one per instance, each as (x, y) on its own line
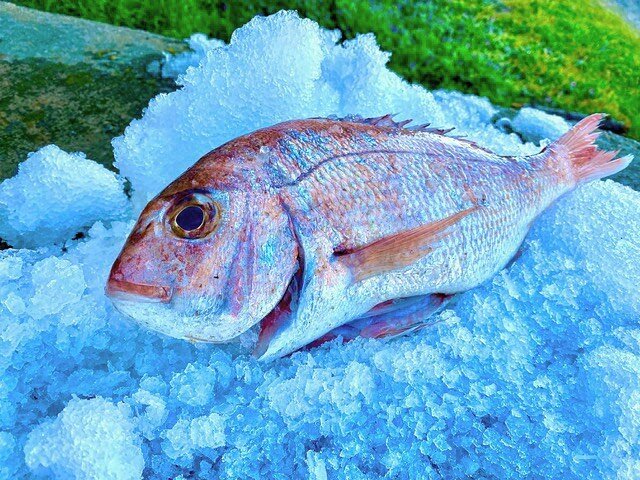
(324, 228)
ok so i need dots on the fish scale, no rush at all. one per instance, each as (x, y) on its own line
(349, 211)
(325, 227)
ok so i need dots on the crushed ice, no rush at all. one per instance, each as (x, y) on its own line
(534, 374)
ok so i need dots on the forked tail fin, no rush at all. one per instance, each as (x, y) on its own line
(587, 162)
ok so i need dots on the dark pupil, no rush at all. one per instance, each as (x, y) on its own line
(190, 218)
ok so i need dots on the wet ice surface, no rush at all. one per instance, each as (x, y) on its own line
(534, 374)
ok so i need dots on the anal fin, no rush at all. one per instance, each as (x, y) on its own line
(390, 319)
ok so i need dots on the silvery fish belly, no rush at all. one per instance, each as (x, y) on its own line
(323, 228)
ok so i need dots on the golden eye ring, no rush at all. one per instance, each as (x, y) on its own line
(194, 216)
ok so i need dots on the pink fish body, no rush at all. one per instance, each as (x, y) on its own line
(337, 227)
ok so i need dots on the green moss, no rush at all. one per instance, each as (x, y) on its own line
(561, 53)
(575, 55)
(78, 107)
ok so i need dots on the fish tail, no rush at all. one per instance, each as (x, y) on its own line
(586, 161)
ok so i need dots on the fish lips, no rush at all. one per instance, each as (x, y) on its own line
(129, 291)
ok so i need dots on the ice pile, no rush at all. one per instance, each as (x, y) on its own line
(89, 437)
(275, 70)
(536, 374)
(73, 191)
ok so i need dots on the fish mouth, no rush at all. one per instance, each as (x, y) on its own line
(137, 292)
(158, 310)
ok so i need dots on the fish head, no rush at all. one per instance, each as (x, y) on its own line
(205, 263)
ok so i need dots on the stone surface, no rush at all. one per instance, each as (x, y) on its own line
(72, 82)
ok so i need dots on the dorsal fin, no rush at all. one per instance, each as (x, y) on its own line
(399, 250)
(388, 122)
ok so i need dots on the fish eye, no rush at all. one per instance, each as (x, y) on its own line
(194, 216)
(190, 218)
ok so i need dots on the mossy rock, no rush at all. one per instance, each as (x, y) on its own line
(72, 82)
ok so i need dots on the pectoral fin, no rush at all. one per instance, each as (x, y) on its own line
(399, 250)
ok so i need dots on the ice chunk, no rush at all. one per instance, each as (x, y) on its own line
(14, 304)
(154, 413)
(195, 386)
(476, 111)
(187, 436)
(535, 125)
(89, 439)
(208, 431)
(10, 267)
(54, 195)
(317, 467)
(7, 447)
(57, 283)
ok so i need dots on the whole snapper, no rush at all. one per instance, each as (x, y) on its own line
(348, 227)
